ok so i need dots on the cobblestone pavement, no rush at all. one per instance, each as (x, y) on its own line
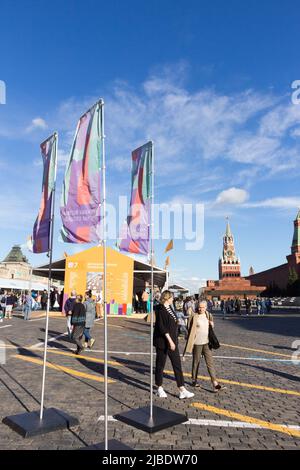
(254, 361)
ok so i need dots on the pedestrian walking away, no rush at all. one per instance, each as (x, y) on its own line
(165, 340)
(70, 302)
(78, 322)
(90, 312)
(27, 306)
(44, 299)
(198, 344)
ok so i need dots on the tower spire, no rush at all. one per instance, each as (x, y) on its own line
(296, 238)
(228, 231)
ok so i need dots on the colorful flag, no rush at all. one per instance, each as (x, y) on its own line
(167, 262)
(80, 203)
(40, 240)
(169, 246)
(135, 233)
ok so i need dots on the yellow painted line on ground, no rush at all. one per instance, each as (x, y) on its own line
(242, 384)
(62, 369)
(71, 354)
(256, 350)
(248, 419)
(110, 325)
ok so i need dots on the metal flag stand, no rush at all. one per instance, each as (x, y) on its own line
(107, 444)
(51, 419)
(151, 418)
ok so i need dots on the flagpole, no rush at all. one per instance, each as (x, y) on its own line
(104, 276)
(152, 280)
(49, 280)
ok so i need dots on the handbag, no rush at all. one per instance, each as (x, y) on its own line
(213, 342)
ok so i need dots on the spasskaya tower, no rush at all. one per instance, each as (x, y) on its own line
(229, 264)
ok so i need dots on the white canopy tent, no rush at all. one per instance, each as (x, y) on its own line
(21, 284)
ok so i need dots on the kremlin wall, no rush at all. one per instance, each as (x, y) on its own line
(231, 284)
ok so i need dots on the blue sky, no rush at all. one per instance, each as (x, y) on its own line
(208, 81)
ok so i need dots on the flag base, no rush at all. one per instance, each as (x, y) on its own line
(29, 424)
(140, 419)
(113, 444)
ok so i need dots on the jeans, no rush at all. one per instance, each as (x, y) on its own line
(87, 334)
(27, 312)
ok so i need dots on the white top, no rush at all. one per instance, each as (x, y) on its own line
(202, 326)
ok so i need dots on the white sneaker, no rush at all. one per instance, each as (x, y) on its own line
(161, 393)
(185, 394)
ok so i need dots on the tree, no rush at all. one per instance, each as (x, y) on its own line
(293, 283)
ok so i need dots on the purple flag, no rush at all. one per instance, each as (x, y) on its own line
(135, 233)
(80, 203)
(40, 240)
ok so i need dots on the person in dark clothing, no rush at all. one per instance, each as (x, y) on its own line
(44, 299)
(78, 322)
(9, 305)
(238, 306)
(165, 340)
(248, 306)
(70, 302)
(61, 300)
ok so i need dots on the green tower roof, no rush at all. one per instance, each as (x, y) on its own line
(15, 256)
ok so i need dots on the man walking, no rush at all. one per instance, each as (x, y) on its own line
(44, 299)
(9, 305)
(90, 308)
(27, 306)
(68, 311)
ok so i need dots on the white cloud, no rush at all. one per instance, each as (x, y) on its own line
(232, 196)
(37, 123)
(277, 203)
(205, 141)
(280, 119)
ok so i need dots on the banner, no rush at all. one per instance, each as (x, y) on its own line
(85, 271)
(80, 203)
(135, 232)
(40, 240)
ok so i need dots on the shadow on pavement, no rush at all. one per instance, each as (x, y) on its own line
(288, 326)
(277, 347)
(284, 375)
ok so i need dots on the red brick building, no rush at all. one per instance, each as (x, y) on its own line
(230, 283)
(279, 275)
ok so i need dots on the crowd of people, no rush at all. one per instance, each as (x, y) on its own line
(190, 318)
(28, 301)
(234, 305)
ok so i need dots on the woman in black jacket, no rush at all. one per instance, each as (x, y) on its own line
(165, 340)
(78, 321)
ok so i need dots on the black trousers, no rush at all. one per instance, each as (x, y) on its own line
(161, 357)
